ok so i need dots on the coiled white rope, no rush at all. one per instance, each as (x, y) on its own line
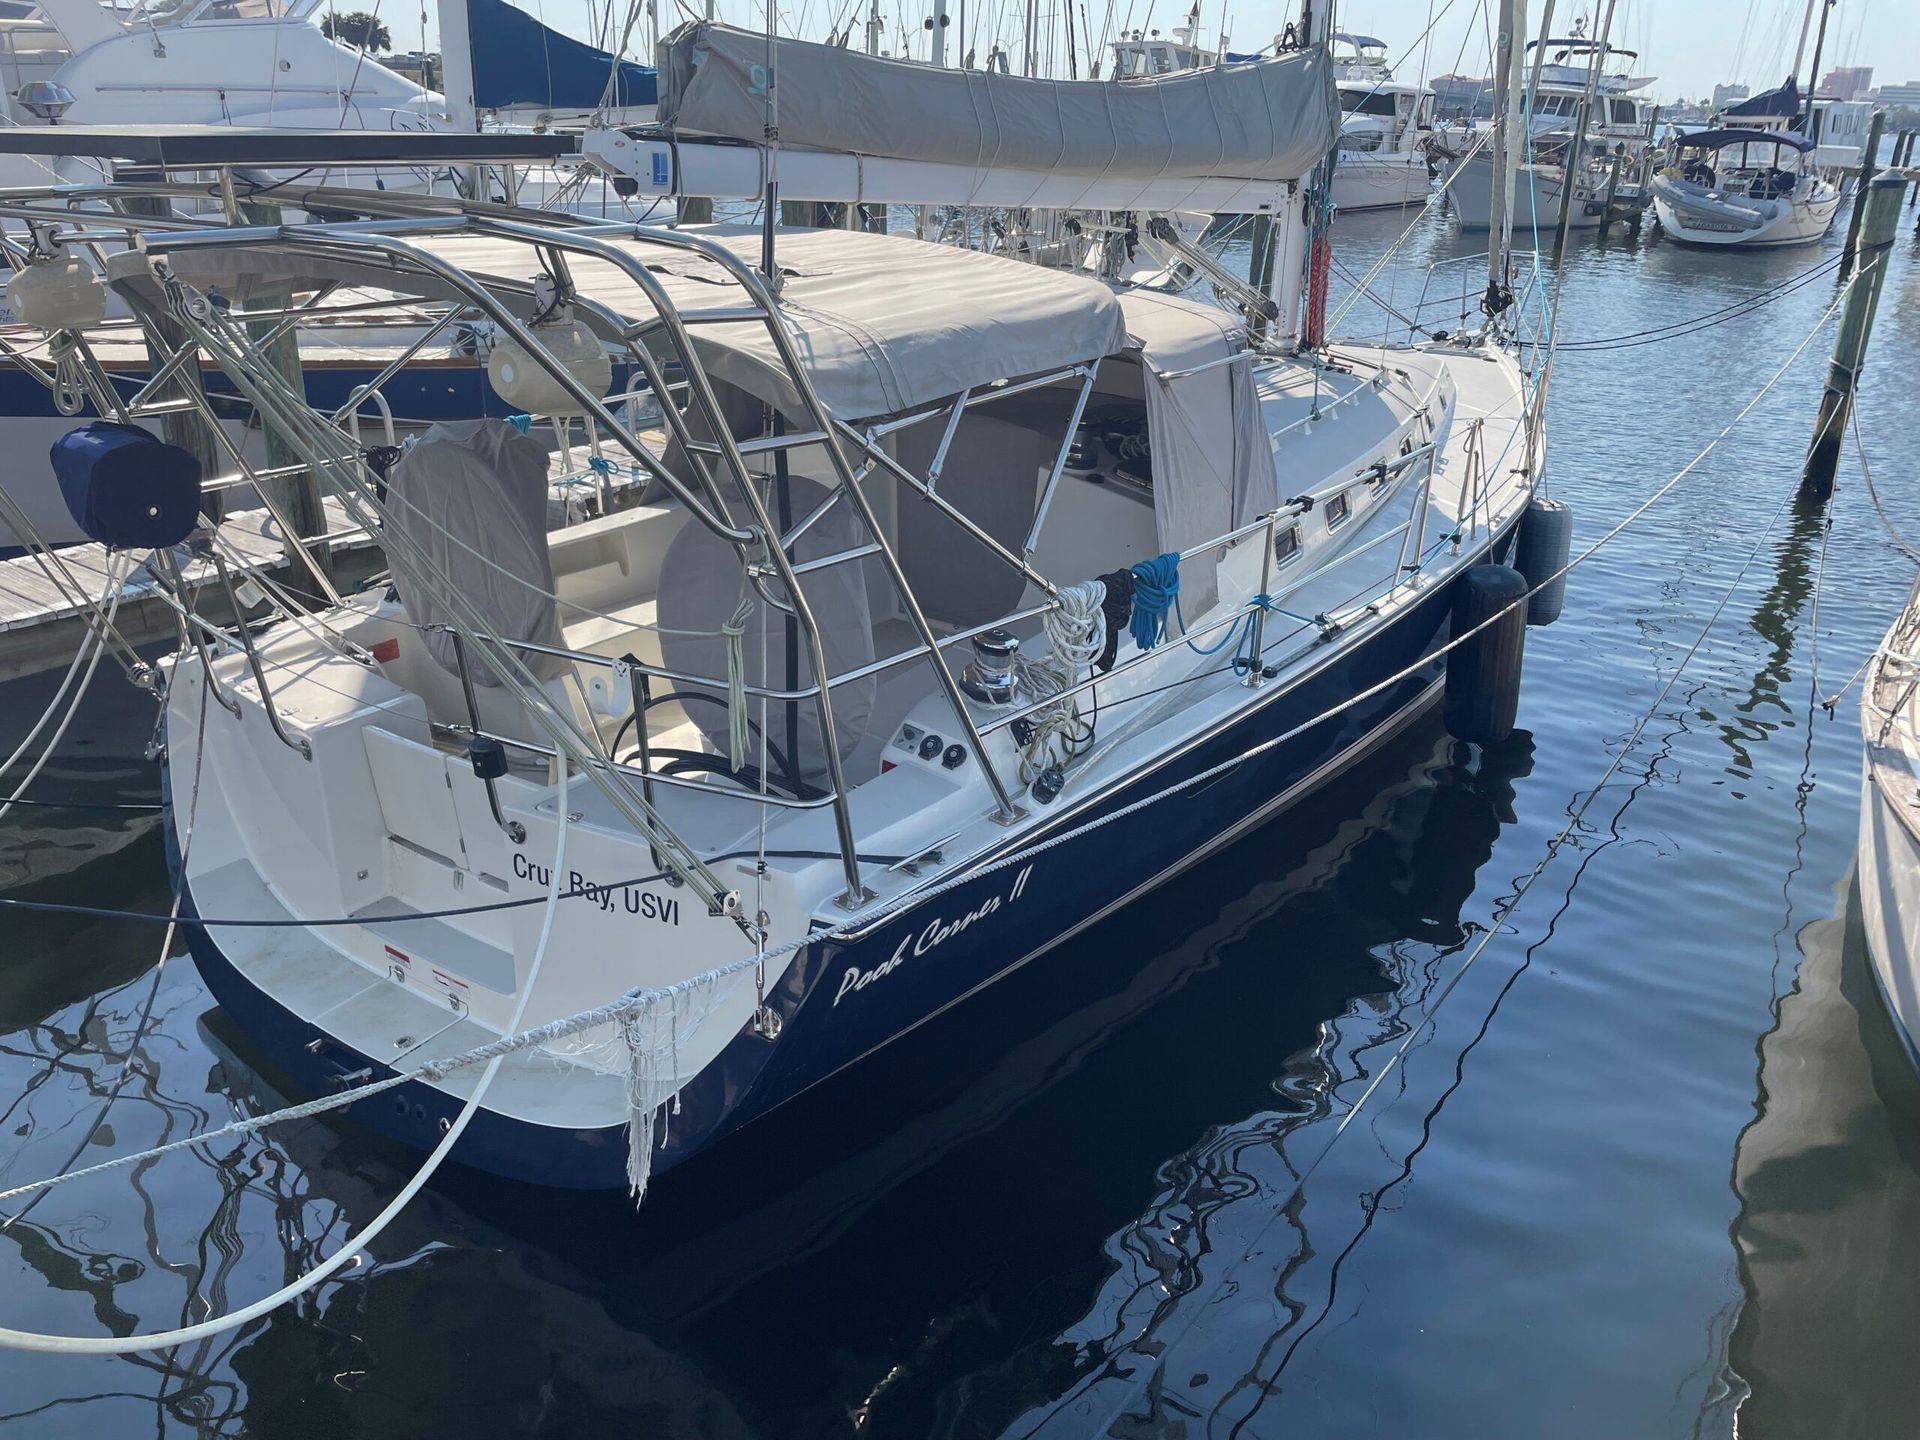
(319, 1274)
(69, 372)
(1076, 629)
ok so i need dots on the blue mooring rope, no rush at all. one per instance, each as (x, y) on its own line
(1157, 590)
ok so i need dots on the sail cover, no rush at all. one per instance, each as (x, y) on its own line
(1268, 121)
(1784, 101)
(519, 61)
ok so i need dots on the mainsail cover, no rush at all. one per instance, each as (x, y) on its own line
(519, 61)
(1269, 121)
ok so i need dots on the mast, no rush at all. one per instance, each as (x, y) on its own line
(1813, 71)
(456, 67)
(1577, 155)
(1800, 50)
(1283, 251)
(771, 217)
(1507, 118)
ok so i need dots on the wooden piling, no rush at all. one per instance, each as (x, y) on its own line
(1869, 166)
(1613, 185)
(1880, 202)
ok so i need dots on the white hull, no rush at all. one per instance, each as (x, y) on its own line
(1890, 826)
(1703, 218)
(1890, 902)
(1536, 198)
(1380, 181)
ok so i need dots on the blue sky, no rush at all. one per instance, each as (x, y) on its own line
(1688, 44)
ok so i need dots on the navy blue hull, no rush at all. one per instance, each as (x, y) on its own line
(841, 1000)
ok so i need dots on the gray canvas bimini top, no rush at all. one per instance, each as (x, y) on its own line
(881, 323)
(1257, 121)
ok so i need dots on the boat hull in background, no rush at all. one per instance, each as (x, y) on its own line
(1380, 180)
(1781, 223)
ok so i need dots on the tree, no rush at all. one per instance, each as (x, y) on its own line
(359, 29)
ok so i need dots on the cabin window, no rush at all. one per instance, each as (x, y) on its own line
(1367, 102)
(1623, 113)
(1286, 545)
(1338, 510)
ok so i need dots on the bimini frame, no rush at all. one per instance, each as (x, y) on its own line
(856, 453)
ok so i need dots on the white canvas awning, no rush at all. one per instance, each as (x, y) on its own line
(882, 323)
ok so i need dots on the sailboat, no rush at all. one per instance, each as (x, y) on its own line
(964, 600)
(1753, 188)
(1760, 179)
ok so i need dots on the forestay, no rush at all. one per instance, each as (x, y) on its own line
(1271, 120)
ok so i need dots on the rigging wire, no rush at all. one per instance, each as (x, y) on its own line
(1679, 329)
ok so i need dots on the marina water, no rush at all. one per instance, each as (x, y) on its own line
(1652, 1168)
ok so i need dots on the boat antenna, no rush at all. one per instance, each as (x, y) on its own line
(772, 209)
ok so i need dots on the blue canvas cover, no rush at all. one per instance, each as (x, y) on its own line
(1784, 101)
(519, 61)
(125, 487)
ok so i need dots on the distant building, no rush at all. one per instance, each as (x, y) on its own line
(1848, 82)
(1725, 95)
(1901, 97)
(420, 66)
(1462, 95)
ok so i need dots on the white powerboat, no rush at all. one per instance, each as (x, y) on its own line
(1384, 124)
(1619, 125)
(1383, 161)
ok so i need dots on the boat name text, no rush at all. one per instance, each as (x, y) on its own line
(936, 933)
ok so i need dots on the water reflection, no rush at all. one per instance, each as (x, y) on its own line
(1828, 1232)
